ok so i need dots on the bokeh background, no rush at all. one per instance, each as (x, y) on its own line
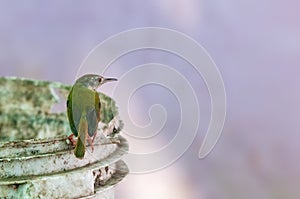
(256, 45)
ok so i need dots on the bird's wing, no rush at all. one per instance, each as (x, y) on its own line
(97, 105)
(92, 122)
(72, 116)
(93, 115)
(81, 100)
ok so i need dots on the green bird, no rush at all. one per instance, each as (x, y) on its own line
(83, 108)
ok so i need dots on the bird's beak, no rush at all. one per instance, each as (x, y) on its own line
(109, 80)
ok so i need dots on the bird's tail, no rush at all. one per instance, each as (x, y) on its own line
(79, 150)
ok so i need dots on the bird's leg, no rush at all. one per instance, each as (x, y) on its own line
(90, 141)
(72, 140)
(94, 136)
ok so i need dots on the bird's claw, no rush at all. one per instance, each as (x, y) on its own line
(91, 143)
(72, 140)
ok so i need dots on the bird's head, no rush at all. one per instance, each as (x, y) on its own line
(93, 81)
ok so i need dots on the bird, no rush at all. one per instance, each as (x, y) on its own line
(83, 110)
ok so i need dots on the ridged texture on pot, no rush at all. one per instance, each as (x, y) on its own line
(36, 158)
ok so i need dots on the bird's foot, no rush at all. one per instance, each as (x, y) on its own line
(94, 136)
(72, 140)
(91, 143)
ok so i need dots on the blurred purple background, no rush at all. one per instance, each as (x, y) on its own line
(256, 45)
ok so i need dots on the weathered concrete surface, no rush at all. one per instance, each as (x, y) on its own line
(36, 159)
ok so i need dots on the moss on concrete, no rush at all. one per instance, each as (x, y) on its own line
(26, 109)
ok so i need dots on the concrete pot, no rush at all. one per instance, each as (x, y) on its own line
(36, 158)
